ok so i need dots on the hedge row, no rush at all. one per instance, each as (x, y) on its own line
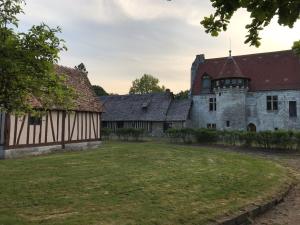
(265, 139)
(124, 134)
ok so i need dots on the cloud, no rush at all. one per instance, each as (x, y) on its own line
(119, 40)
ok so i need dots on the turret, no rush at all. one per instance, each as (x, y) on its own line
(230, 87)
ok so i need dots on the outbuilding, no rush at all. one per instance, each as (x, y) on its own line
(57, 128)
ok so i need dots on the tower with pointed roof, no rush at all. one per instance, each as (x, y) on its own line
(230, 88)
(253, 92)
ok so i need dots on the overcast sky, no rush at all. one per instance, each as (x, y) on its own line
(119, 40)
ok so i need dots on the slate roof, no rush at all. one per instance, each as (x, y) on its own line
(86, 100)
(157, 107)
(179, 110)
(267, 71)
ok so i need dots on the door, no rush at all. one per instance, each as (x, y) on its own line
(251, 127)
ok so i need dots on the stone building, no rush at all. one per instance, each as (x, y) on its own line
(155, 113)
(248, 92)
(57, 128)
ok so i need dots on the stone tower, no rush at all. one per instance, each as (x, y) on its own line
(231, 87)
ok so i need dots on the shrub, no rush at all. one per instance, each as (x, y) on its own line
(297, 139)
(125, 133)
(106, 133)
(248, 139)
(206, 135)
(264, 139)
(177, 135)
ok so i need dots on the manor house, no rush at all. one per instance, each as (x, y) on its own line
(248, 92)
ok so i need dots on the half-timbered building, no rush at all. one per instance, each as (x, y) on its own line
(56, 128)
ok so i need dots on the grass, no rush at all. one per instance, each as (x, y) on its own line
(133, 183)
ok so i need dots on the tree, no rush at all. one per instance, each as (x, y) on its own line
(27, 64)
(81, 67)
(182, 95)
(261, 13)
(146, 84)
(99, 90)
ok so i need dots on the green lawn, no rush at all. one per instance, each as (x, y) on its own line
(133, 183)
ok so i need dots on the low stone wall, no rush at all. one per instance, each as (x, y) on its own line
(41, 150)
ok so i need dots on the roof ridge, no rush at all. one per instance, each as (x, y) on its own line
(252, 54)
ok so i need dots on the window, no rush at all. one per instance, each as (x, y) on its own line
(293, 108)
(35, 120)
(211, 126)
(272, 103)
(206, 83)
(227, 123)
(212, 104)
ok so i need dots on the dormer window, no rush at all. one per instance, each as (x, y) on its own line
(206, 83)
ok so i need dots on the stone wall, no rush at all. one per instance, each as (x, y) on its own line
(200, 113)
(242, 108)
(257, 113)
(231, 108)
(40, 150)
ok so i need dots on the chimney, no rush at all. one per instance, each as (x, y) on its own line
(200, 59)
(169, 93)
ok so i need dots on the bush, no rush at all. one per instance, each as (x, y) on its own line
(247, 139)
(184, 135)
(106, 133)
(206, 135)
(126, 133)
(265, 139)
(230, 137)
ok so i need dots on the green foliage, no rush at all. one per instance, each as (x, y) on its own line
(247, 139)
(144, 183)
(146, 84)
(106, 133)
(261, 13)
(206, 135)
(27, 64)
(264, 139)
(182, 95)
(296, 47)
(99, 91)
(126, 134)
(184, 135)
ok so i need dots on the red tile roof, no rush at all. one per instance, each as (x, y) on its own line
(86, 99)
(230, 69)
(267, 71)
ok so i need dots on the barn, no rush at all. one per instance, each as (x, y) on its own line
(57, 128)
(153, 112)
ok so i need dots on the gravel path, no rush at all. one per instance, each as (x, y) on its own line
(288, 212)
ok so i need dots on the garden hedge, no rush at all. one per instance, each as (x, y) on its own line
(280, 139)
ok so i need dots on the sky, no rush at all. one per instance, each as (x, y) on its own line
(120, 40)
